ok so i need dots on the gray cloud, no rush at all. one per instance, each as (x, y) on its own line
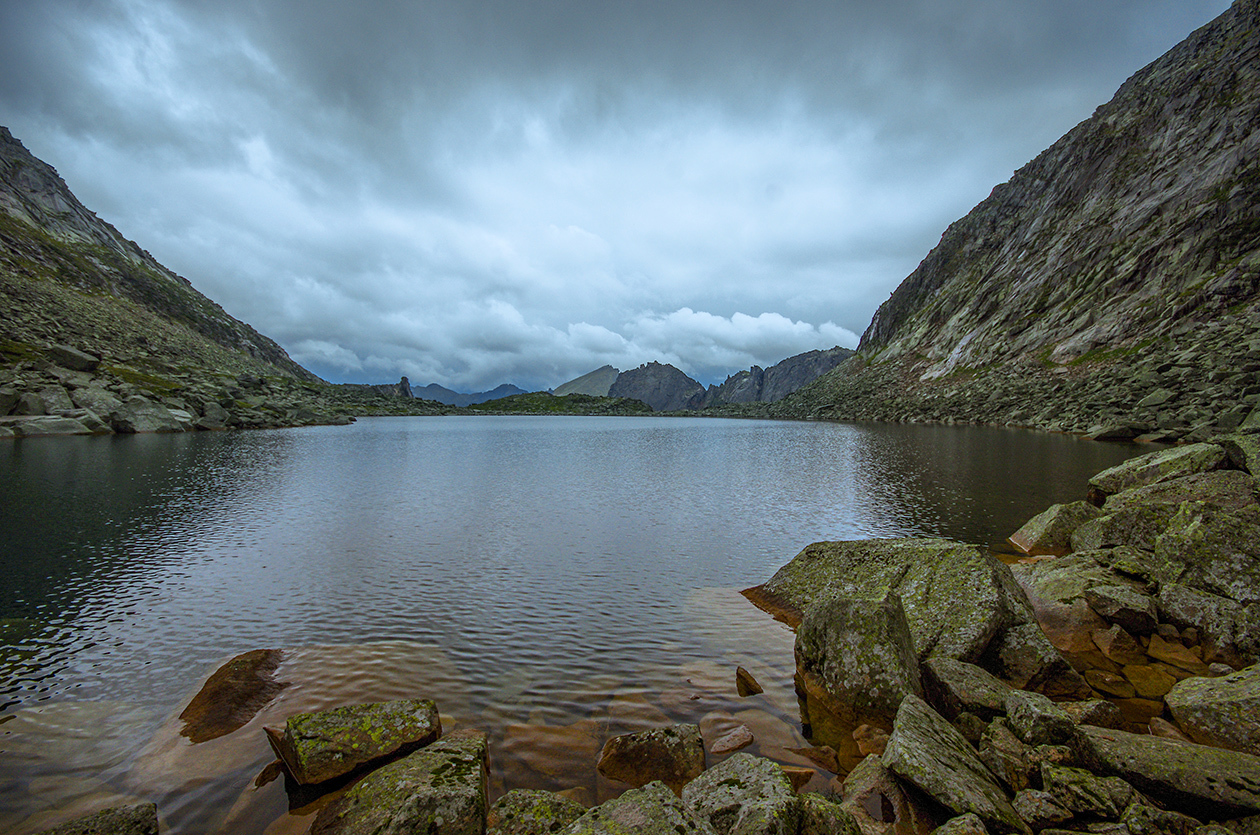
(476, 193)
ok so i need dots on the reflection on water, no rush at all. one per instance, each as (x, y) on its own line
(562, 579)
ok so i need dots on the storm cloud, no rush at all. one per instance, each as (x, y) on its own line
(473, 193)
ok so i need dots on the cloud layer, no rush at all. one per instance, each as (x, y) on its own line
(478, 193)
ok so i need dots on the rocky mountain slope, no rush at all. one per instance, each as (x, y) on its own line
(770, 385)
(663, 387)
(441, 394)
(91, 323)
(595, 383)
(1113, 278)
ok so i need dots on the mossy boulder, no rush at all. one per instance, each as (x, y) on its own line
(317, 747)
(927, 752)
(745, 795)
(820, 816)
(954, 687)
(1228, 489)
(650, 809)
(1229, 631)
(1133, 526)
(1155, 467)
(1214, 550)
(439, 790)
(532, 812)
(1224, 712)
(856, 656)
(1084, 793)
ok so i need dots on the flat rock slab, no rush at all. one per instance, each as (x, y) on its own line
(745, 795)
(317, 747)
(532, 812)
(1155, 467)
(1194, 779)
(1224, 712)
(928, 752)
(652, 810)
(438, 790)
(233, 695)
(673, 755)
(140, 819)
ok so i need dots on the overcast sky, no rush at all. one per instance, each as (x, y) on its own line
(472, 193)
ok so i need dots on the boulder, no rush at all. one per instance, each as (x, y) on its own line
(1214, 550)
(1228, 489)
(95, 398)
(8, 399)
(1144, 819)
(953, 687)
(1084, 793)
(967, 824)
(1155, 467)
(1243, 451)
(650, 809)
(1125, 605)
(1125, 430)
(1118, 645)
(1174, 652)
(1224, 712)
(1195, 779)
(72, 358)
(819, 816)
(1036, 720)
(856, 656)
(1050, 532)
(139, 414)
(1148, 682)
(1005, 756)
(213, 416)
(233, 695)
(56, 400)
(673, 755)
(89, 419)
(140, 819)
(957, 598)
(439, 790)
(1040, 809)
(44, 425)
(1136, 526)
(878, 803)
(1025, 658)
(927, 752)
(1099, 712)
(745, 795)
(317, 747)
(531, 812)
(1229, 631)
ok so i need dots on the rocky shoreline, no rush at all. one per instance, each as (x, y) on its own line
(60, 390)
(1107, 683)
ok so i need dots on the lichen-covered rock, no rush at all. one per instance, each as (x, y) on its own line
(929, 753)
(1144, 819)
(317, 747)
(1050, 532)
(673, 756)
(953, 687)
(967, 824)
(957, 598)
(857, 657)
(1195, 779)
(1225, 489)
(99, 400)
(1224, 712)
(1084, 793)
(140, 819)
(532, 812)
(745, 795)
(1098, 712)
(1155, 467)
(438, 790)
(233, 695)
(1135, 526)
(1036, 720)
(820, 816)
(1214, 550)
(1229, 631)
(139, 414)
(1243, 450)
(1005, 756)
(878, 803)
(1024, 657)
(650, 809)
(1125, 605)
(1040, 809)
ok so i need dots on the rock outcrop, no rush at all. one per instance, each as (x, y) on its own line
(770, 385)
(663, 387)
(1112, 282)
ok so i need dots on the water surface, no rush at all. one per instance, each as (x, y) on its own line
(556, 580)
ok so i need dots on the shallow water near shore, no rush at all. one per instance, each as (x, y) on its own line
(552, 581)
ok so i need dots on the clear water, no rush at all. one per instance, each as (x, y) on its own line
(549, 580)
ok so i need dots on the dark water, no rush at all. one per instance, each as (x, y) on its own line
(541, 572)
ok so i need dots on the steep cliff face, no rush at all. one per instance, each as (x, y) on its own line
(1133, 241)
(68, 276)
(770, 385)
(663, 387)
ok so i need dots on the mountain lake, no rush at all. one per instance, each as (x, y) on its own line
(552, 581)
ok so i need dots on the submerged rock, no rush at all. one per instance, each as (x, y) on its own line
(673, 755)
(233, 695)
(439, 790)
(1224, 712)
(745, 795)
(317, 747)
(928, 752)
